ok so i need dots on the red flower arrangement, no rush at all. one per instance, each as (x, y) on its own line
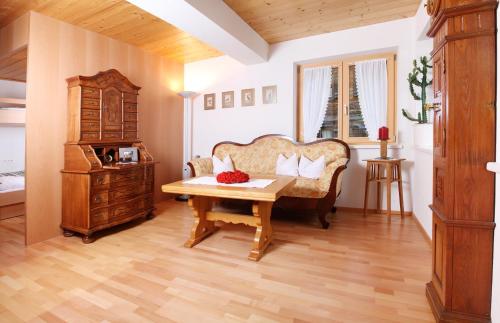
(233, 177)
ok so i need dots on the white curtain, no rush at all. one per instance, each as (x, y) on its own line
(316, 91)
(371, 81)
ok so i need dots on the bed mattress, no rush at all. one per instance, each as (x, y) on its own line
(11, 183)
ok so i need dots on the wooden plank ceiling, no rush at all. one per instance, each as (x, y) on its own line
(119, 20)
(13, 65)
(274, 20)
(281, 20)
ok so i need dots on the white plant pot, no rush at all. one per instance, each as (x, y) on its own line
(423, 135)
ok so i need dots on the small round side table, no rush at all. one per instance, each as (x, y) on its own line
(384, 171)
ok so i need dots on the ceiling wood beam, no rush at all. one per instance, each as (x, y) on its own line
(214, 23)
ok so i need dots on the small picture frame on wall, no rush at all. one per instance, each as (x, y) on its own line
(247, 97)
(228, 99)
(209, 100)
(270, 94)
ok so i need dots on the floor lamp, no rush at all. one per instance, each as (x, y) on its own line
(187, 146)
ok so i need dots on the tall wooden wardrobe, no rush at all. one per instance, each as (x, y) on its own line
(464, 67)
(99, 191)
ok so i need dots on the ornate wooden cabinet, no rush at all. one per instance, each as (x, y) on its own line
(98, 191)
(464, 33)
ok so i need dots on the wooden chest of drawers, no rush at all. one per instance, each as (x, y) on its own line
(99, 193)
(102, 199)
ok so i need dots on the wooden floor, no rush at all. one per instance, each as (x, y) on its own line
(359, 270)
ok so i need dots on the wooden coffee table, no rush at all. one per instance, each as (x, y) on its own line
(202, 198)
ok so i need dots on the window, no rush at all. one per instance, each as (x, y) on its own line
(331, 102)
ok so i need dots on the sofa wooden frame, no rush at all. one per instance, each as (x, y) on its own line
(320, 206)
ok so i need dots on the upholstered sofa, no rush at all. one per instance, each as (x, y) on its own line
(259, 157)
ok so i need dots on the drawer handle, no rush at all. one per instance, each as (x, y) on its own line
(97, 199)
(100, 180)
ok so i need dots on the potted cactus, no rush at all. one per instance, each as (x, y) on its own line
(417, 78)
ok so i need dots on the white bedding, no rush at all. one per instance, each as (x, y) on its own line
(11, 183)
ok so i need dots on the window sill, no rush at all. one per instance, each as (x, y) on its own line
(374, 146)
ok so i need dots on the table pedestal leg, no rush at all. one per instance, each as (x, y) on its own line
(263, 234)
(202, 228)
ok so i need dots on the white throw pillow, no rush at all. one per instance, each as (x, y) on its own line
(220, 166)
(311, 169)
(287, 166)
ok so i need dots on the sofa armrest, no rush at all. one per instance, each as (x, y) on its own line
(331, 179)
(201, 166)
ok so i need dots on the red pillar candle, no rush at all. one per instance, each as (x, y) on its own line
(383, 133)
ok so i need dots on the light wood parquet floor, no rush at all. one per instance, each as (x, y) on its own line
(359, 270)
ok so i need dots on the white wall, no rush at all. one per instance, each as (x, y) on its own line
(11, 89)
(242, 124)
(12, 149)
(421, 185)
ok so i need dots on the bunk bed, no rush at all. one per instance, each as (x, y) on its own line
(13, 66)
(12, 194)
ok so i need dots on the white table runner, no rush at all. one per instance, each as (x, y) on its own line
(210, 180)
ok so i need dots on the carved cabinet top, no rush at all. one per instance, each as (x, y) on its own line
(432, 7)
(105, 79)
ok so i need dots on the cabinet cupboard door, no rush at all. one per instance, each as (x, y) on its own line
(439, 86)
(111, 110)
(440, 257)
(441, 181)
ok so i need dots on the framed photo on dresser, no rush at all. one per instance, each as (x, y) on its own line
(128, 155)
